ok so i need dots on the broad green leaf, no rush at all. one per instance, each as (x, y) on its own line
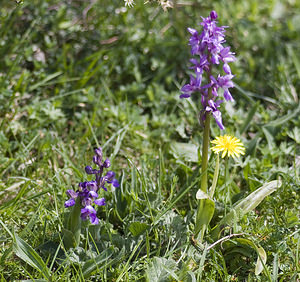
(247, 204)
(180, 128)
(138, 228)
(25, 252)
(72, 230)
(160, 270)
(205, 211)
(262, 256)
(261, 260)
(186, 151)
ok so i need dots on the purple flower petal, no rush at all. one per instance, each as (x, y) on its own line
(84, 193)
(227, 95)
(218, 117)
(100, 202)
(109, 176)
(226, 69)
(93, 194)
(72, 194)
(192, 31)
(87, 211)
(82, 185)
(94, 219)
(86, 201)
(92, 185)
(96, 160)
(184, 96)
(106, 163)
(213, 15)
(115, 183)
(69, 203)
(214, 91)
(98, 152)
(88, 170)
(227, 56)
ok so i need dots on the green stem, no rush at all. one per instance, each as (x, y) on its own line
(215, 179)
(228, 198)
(205, 147)
(204, 165)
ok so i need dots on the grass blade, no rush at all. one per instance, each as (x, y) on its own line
(25, 252)
(249, 118)
(98, 263)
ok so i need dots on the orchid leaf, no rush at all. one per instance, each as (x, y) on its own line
(247, 204)
(261, 254)
(205, 211)
(239, 246)
(261, 260)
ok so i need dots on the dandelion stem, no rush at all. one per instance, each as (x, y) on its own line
(227, 188)
(215, 179)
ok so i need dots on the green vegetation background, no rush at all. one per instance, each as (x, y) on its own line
(76, 74)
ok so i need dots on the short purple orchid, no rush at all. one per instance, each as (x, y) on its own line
(209, 50)
(88, 190)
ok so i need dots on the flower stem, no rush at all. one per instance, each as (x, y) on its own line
(204, 165)
(205, 147)
(227, 189)
(215, 179)
(203, 184)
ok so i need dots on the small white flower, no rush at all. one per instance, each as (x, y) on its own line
(129, 3)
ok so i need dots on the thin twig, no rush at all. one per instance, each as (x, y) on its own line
(224, 239)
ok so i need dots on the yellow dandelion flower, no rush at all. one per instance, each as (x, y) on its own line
(229, 145)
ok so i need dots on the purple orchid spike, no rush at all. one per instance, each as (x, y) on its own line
(88, 191)
(208, 48)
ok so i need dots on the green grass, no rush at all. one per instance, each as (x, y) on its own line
(77, 74)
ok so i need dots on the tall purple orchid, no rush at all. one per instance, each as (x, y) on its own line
(208, 50)
(208, 80)
(87, 192)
